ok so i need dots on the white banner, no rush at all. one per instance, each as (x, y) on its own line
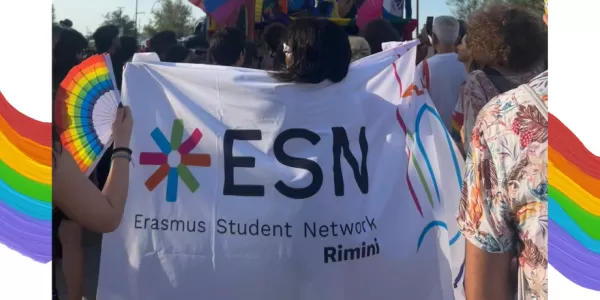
(245, 188)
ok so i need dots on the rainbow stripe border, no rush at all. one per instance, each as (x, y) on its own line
(574, 207)
(25, 184)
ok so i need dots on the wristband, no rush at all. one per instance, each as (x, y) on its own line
(123, 149)
(121, 155)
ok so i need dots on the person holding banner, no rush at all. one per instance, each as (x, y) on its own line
(332, 60)
(161, 42)
(99, 211)
(227, 47)
(327, 214)
(503, 212)
(272, 37)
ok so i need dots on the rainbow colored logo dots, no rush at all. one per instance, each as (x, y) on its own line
(174, 159)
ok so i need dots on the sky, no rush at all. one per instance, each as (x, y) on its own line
(87, 15)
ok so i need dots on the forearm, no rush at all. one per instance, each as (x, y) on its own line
(117, 185)
(487, 275)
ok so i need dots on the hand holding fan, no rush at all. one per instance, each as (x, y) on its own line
(85, 109)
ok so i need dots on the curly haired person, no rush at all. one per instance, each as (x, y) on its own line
(503, 211)
(510, 44)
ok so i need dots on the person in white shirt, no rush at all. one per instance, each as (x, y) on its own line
(446, 73)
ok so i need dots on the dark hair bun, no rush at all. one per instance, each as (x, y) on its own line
(66, 23)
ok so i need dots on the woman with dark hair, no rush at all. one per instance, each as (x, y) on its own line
(178, 54)
(75, 197)
(56, 32)
(106, 39)
(315, 50)
(69, 47)
(272, 38)
(128, 47)
(509, 43)
(380, 31)
(226, 47)
(277, 59)
(68, 52)
(71, 209)
(66, 23)
(161, 42)
(251, 57)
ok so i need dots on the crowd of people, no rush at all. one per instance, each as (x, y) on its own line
(478, 70)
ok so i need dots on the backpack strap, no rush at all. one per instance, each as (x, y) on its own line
(500, 82)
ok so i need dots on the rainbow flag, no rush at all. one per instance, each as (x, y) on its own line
(219, 10)
(457, 124)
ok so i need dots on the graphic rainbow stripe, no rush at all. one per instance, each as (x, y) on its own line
(411, 158)
(414, 138)
(80, 91)
(574, 207)
(25, 184)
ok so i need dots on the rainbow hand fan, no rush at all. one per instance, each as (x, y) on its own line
(86, 107)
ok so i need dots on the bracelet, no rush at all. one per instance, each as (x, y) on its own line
(123, 149)
(121, 155)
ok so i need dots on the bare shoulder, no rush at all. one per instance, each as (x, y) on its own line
(63, 162)
(66, 175)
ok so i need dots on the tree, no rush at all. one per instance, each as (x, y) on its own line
(535, 5)
(172, 15)
(121, 20)
(463, 9)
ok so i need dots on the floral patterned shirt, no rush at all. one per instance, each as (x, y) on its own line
(504, 203)
(478, 90)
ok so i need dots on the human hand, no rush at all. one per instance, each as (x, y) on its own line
(424, 37)
(122, 127)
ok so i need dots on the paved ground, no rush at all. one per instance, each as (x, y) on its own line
(91, 252)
